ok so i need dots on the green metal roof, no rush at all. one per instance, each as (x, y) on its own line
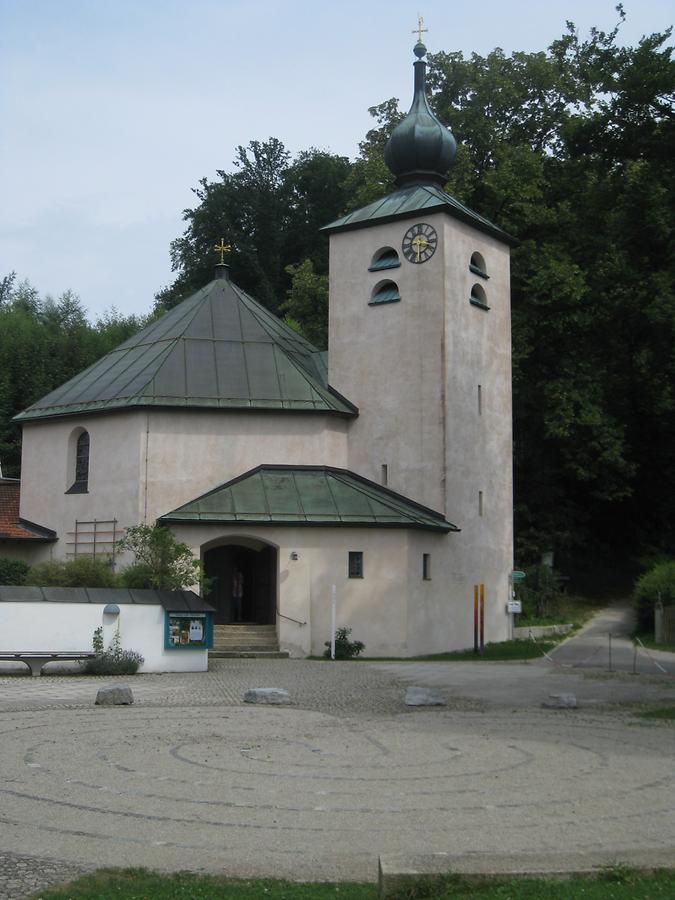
(219, 349)
(306, 495)
(411, 200)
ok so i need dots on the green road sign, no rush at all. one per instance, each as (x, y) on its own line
(517, 576)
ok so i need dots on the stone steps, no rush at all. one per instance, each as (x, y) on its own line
(234, 640)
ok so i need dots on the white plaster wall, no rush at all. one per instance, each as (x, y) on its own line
(28, 551)
(114, 473)
(374, 606)
(177, 454)
(189, 453)
(479, 447)
(388, 359)
(413, 368)
(69, 627)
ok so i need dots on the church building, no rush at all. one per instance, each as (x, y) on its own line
(382, 467)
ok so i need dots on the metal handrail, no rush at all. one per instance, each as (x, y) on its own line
(290, 619)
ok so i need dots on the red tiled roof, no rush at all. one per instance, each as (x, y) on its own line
(12, 528)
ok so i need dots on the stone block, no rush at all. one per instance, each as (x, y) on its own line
(114, 695)
(560, 701)
(273, 696)
(424, 696)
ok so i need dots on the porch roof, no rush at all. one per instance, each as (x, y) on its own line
(307, 495)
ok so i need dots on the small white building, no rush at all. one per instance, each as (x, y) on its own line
(383, 467)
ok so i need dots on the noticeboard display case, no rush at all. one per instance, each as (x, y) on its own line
(188, 630)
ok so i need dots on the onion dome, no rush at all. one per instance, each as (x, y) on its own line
(420, 149)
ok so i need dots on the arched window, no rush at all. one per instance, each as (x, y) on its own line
(385, 258)
(477, 265)
(80, 463)
(384, 292)
(479, 297)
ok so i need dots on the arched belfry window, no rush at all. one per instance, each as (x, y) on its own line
(80, 464)
(479, 297)
(384, 292)
(477, 266)
(384, 258)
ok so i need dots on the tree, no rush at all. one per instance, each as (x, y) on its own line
(307, 304)
(43, 343)
(162, 562)
(268, 211)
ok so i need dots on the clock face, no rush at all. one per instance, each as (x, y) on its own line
(419, 243)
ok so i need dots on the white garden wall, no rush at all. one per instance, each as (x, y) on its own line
(69, 627)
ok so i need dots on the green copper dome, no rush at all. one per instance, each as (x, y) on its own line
(420, 149)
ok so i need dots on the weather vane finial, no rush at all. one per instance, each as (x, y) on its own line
(419, 31)
(222, 248)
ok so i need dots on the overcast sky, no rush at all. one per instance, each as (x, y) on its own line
(110, 112)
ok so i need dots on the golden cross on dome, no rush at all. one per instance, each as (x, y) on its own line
(420, 28)
(222, 248)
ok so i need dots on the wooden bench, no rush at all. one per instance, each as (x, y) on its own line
(36, 659)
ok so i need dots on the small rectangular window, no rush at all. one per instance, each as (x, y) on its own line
(385, 474)
(480, 503)
(426, 566)
(355, 564)
(480, 400)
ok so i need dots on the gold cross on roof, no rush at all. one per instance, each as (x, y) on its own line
(420, 28)
(222, 248)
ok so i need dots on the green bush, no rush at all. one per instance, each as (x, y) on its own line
(114, 660)
(13, 571)
(344, 648)
(169, 564)
(138, 576)
(658, 582)
(540, 593)
(83, 571)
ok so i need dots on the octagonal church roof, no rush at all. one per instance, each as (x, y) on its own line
(218, 349)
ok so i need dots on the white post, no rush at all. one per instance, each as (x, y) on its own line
(333, 604)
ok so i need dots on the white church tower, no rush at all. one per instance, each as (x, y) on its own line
(420, 341)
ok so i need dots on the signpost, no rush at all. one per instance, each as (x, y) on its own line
(333, 604)
(478, 618)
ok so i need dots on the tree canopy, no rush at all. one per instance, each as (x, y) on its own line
(44, 342)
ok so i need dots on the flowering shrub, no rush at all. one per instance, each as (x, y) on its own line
(114, 660)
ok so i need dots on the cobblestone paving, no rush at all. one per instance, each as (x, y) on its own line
(333, 688)
(21, 875)
(191, 778)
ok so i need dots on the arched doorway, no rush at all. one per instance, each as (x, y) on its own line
(243, 583)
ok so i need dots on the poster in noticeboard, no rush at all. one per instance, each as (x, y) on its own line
(187, 631)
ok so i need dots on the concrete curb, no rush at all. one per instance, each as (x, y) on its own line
(523, 632)
(397, 873)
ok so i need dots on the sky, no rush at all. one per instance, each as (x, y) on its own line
(111, 112)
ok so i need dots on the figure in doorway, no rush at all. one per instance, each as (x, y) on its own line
(237, 593)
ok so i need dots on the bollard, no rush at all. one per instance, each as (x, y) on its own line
(610, 650)
(658, 621)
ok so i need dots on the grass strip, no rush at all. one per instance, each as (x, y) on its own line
(662, 712)
(501, 651)
(619, 883)
(648, 641)
(141, 884)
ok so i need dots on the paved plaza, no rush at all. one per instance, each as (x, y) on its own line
(192, 778)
